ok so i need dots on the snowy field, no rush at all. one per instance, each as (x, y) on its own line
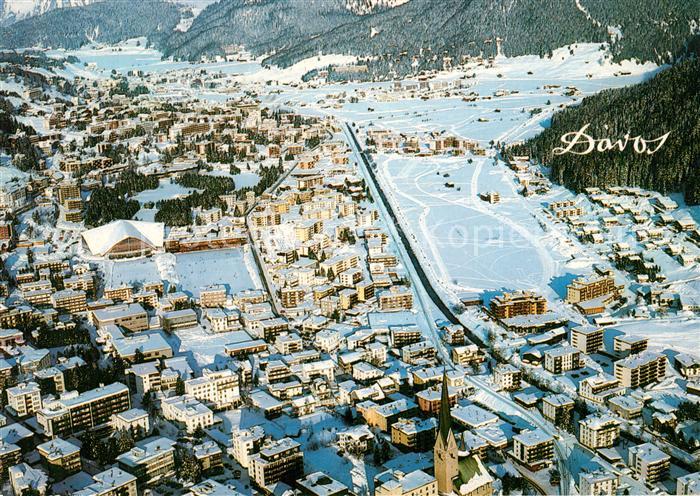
(189, 271)
(227, 267)
(678, 334)
(505, 118)
(474, 245)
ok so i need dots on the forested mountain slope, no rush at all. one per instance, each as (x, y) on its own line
(416, 35)
(668, 103)
(105, 22)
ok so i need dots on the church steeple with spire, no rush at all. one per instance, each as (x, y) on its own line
(445, 452)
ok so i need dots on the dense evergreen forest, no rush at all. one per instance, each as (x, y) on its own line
(107, 204)
(26, 155)
(668, 103)
(106, 22)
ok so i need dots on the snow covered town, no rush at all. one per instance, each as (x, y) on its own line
(223, 279)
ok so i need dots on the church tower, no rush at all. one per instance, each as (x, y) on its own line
(445, 450)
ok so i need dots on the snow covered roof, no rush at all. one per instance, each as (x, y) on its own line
(101, 239)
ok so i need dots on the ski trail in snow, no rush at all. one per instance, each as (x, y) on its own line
(583, 9)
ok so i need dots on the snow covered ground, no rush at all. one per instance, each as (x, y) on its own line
(474, 245)
(189, 271)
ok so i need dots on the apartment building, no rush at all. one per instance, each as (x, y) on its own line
(587, 339)
(287, 344)
(395, 298)
(598, 483)
(422, 351)
(688, 484)
(292, 297)
(151, 461)
(640, 370)
(630, 345)
(557, 408)
(339, 263)
(533, 448)
(119, 293)
(179, 319)
(134, 419)
(414, 434)
(209, 455)
(320, 484)
(277, 461)
(212, 296)
(61, 457)
(131, 317)
(507, 376)
(384, 416)
(245, 443)
(565, 209)
(510, 305)
(649, 462)
(10, 455)
(24, 399)
(599, 431)
(69, 301)
(588, 288)
(188, 411)
(467, 354)
(111, 482)
(562, 359)
(75, 412)
(600, 388)
(219, 388)
(626, 407)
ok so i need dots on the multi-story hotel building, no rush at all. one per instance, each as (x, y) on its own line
(562, 359)
(533, 448)
(24, 399)
(75, 412)
(599, 431)
(61, 457)
(600, 388)
(507, 376)
(414, 434)
(131, 317)
(598, 483)
(151, 461)
(220, 388)
(587, 339)
(642, 369)
(649, 462)
(585, 289)
(278, 461)
(510, 305)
